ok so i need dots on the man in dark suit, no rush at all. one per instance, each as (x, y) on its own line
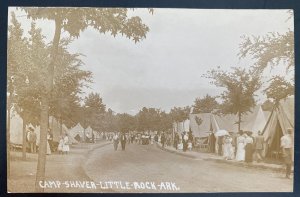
(123, 140)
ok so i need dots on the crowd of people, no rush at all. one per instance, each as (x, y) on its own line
(244, 147)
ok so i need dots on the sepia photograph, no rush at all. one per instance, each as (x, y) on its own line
(150, 100)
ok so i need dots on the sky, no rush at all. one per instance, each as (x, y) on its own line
(165, 69)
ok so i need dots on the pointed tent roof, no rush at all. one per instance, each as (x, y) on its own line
(78, 129)
(284, 115)
(255, 121)
(67, 131)
(226, 122)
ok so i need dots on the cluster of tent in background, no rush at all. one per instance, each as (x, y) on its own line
(75, 134)
(272, 124)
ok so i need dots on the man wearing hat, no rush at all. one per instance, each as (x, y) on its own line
(259, 146)
(286, 142)
(32, 140)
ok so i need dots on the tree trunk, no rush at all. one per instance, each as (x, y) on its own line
(60, 120)
(24, 140)
(41, 166)
(240, 120)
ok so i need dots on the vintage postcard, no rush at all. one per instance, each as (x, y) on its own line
(150, 100)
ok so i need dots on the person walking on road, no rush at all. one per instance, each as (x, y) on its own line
(123, 141)
(259, 146)
(116, 141)
(286, 143)
(163, 139)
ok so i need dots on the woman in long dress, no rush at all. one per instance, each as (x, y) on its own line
(228, 148)
(249, 148)
(66, 147)
(48, 145)
(240, 152)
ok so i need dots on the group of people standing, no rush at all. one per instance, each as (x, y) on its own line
(246, 148)
(241, 148)
(184, 141)
(63, 145)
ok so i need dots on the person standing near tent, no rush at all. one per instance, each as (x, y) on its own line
(286, 143)
(228, 150)
(32, 140)
(185, 139)
(66, 147)
(259, 146)
(212, 143)
(176, 141)
(240, 152)
(123, 140)
(220, 145)
(116, 141)
(93, 137)
(249, 147)
(60, 145)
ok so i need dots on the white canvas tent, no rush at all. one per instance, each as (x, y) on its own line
(254, 121)
(16, 128)
(57, 129)
(76, 130)
(281, 118)
(205, 126)
(181, 126)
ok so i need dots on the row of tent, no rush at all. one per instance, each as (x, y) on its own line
(75, 134)
(209, 123)
(273, 124)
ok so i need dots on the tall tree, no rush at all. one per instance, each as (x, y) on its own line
(269, 49)
(205, 105)
(93, 111)
(278, 89)
(180, 114)
(74, 21)
(241, 85)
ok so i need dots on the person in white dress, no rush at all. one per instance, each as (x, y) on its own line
(66, 147)
(60, 145)
(228, 149)
(241, 142)
(48, 145)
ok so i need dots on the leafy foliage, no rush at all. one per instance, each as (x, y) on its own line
(205, 105)
(105, 20)
(240, 85)
(279, 89)
(269, 49)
